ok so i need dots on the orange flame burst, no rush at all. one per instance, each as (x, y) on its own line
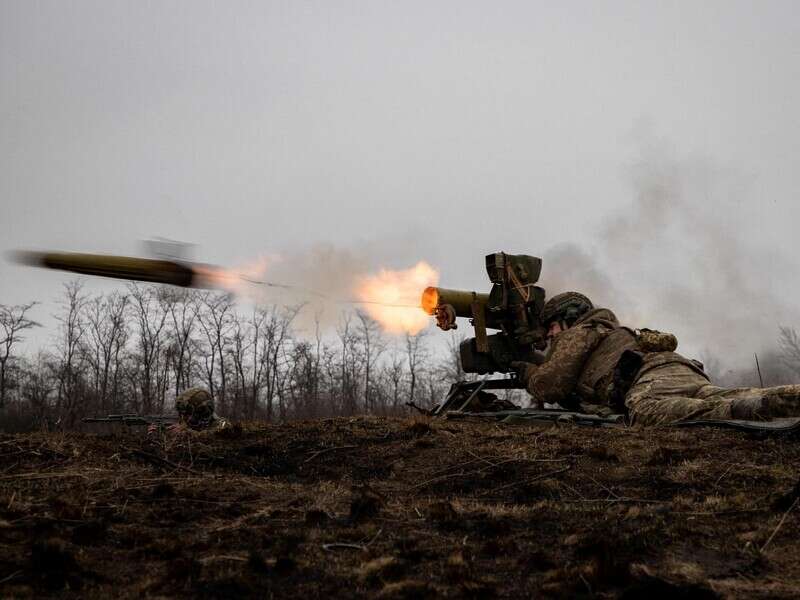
(393, 297)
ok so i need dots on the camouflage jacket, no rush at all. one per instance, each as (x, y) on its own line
(581, 361)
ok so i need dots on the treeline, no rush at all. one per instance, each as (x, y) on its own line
(134, 351)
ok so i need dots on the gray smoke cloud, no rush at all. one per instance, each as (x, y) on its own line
(568, 266)
(678, 258)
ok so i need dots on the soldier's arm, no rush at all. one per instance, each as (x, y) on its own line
(556, 378)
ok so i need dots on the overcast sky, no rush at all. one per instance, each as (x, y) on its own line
(412, 130)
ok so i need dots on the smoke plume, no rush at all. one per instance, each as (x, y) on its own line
(677, 258)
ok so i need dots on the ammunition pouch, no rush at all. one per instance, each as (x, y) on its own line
(650, 340)
(623, 377)
(630, 362)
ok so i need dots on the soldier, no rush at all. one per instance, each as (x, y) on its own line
(594, 364)
(195, 408)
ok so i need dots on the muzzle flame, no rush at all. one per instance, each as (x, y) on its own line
(430, 300)
(393, 297)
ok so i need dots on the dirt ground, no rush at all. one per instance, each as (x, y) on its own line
(395, 508)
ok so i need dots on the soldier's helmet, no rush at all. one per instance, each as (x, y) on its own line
(196, 407)
(568, 306)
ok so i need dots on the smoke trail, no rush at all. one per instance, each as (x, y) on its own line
(329, 279)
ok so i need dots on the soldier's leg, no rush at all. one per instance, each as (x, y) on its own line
(645, 409)
(668, 394)
(782, 401)
(758, 403)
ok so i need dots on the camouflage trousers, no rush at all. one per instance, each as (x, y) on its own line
(674, 391)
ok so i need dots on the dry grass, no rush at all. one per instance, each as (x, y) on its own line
(394, 508)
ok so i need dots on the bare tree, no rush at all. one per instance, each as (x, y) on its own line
(280, 371)
(241, 341)
(70, 367)
(433, 386)
(343, 331)
(151, 316)
(395, 372)
(450, 368)
(216, 322)
(37, 386)
(12, 323)
(107, 330)
(372, 341)
(182, 308)
(351, 363)
(258, 367)
(315, 393)
(417, 354)
(270, 332)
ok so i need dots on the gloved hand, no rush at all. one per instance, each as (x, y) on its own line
(524, 370)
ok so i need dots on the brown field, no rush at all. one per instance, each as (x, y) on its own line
(393, 508)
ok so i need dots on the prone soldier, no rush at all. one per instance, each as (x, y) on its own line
(195, 408)
(594, 364)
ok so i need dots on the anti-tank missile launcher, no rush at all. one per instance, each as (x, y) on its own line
(513, 307)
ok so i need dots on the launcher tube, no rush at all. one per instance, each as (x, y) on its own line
(460, 300)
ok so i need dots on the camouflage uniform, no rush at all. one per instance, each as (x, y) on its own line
(580, 362)
(670, 388)
(195, 407)
(581, 365)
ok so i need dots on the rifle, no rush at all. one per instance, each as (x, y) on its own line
(134, 419)
(513, 307)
